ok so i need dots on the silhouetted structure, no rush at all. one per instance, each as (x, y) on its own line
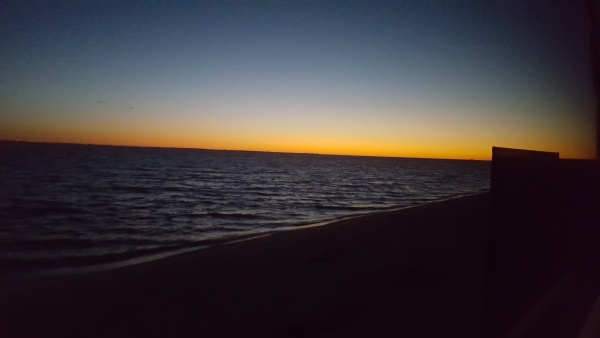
(542, 276)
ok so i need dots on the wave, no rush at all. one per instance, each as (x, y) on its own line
(214, 214)
(131, 189)
(352, 207)
(15, 212)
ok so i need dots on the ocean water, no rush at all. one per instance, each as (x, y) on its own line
(73, 208)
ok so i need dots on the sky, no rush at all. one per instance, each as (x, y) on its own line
(421, 78)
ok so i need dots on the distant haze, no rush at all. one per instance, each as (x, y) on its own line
(442, 79)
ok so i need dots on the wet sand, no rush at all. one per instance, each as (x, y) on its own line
(416, 272)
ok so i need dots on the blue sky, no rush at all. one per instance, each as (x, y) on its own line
(389, 78)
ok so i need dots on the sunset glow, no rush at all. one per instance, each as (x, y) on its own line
(402, 79)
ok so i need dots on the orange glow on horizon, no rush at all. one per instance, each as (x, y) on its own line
(319, 146)
(331, 146)
(444, 139)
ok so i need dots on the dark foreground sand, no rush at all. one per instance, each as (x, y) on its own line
(416, 272)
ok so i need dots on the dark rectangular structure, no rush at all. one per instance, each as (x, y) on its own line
(542, 234)
(523, 181)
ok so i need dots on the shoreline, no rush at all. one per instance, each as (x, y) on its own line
(429, 256)
(36, 279)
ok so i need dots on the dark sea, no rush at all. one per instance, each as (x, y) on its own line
(67, 209)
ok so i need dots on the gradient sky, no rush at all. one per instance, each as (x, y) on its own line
(445, 79)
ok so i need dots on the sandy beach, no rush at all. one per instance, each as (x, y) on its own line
(415, 272)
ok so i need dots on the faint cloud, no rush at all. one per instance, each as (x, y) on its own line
(114, 105)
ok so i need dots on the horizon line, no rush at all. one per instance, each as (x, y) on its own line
(241, 150)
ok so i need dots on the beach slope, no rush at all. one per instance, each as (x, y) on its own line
(414, 272)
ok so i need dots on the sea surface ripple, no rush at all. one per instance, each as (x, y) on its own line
(68, 208)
